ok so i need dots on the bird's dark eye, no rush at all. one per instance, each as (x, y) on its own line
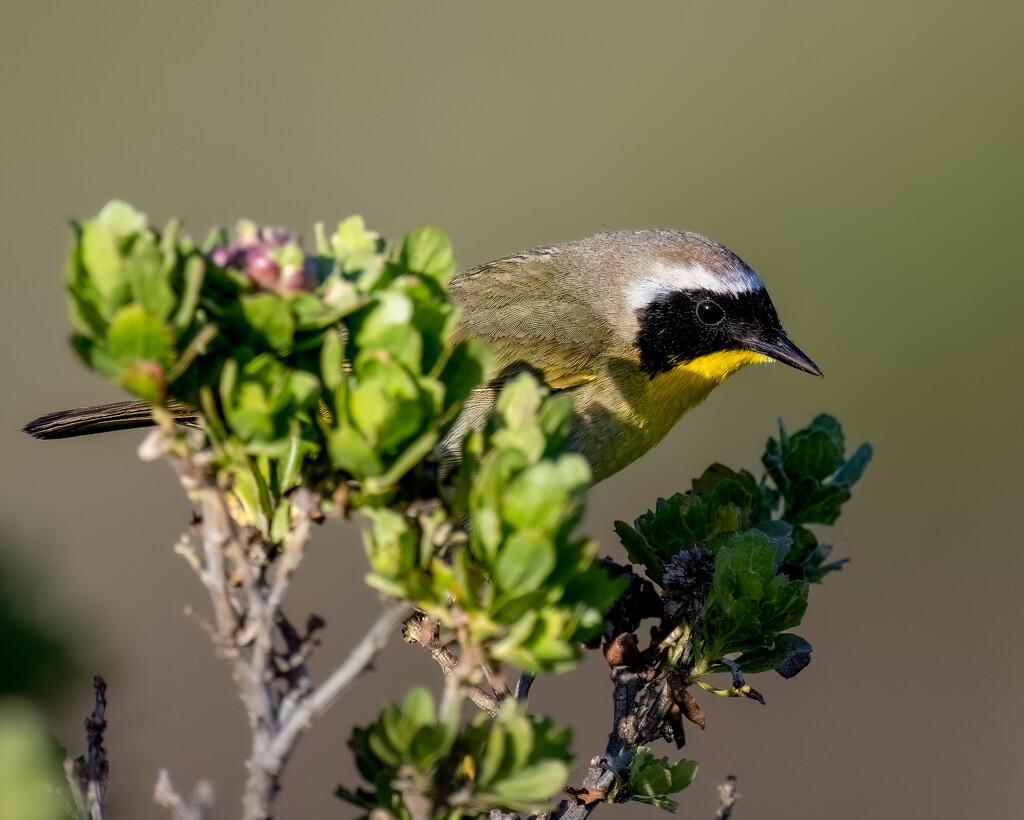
(710, 313)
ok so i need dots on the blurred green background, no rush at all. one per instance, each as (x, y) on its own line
(865, 158)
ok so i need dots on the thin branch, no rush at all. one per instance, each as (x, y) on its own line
(216, 531)
(423, 630)
(523, 686)
(247, 580)
(197, 807)
(641, 701)
(295, 670)
(88, 775)
(321, 698)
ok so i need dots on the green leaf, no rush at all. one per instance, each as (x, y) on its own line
(428, 253)
(850, 473)
(780, 533)
(146, 379)
(332, 360)
(753, 553)
(532, 785)
(387, 408)
(102, 262)
(419, 707)
(96, 356)
(651, 779)
(493, 757)
(149, 278)
(814, 454)
(390, 307)
(783, 605)
(194, 272)
(540, 496)
(788, 654)
(403, 343)
(120, 220)
(350, 452)
(519, 401)
(526, 559)
(809, 502)
(270, 318)
(355, 247)
(31, 782)
(137, 334)
(639, 550)
(465, 369)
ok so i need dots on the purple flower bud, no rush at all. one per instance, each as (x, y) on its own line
(297, 279)
(220, 256)
(263, 270)
(273, 237)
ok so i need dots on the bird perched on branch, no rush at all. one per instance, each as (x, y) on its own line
(637, 326)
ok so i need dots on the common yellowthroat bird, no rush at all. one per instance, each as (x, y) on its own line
(638, 326)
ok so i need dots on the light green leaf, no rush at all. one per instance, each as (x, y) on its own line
(532, 785)
(121, 220)
(270, 318)
(350, 452)
(429, 253)
(525, 560)
(419, 707)
(332, 360)
(137, 334)
(102, 262)
(149, 278)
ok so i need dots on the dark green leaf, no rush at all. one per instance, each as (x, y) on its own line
(809, 502)
(814, 455)
(788, 654)
(466, 367)
(852, 470)
(639, 550)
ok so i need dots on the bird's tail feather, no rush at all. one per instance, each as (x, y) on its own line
(83, 421)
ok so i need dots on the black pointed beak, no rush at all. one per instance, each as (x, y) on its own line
(783, 350)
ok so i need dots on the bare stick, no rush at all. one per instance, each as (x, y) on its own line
(87, 776)
(321, 699)
(421, 629)
(642, 699)
(198, 807)
(247, 579)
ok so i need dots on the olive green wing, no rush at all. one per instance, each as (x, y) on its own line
(531, 323)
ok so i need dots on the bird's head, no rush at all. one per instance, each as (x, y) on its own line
(685, 299)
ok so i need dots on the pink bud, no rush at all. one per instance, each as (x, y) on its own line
(220, 256)
(263, 270)
(296, 279)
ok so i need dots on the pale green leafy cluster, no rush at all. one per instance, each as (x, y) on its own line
(336, 370)
(412, 754)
